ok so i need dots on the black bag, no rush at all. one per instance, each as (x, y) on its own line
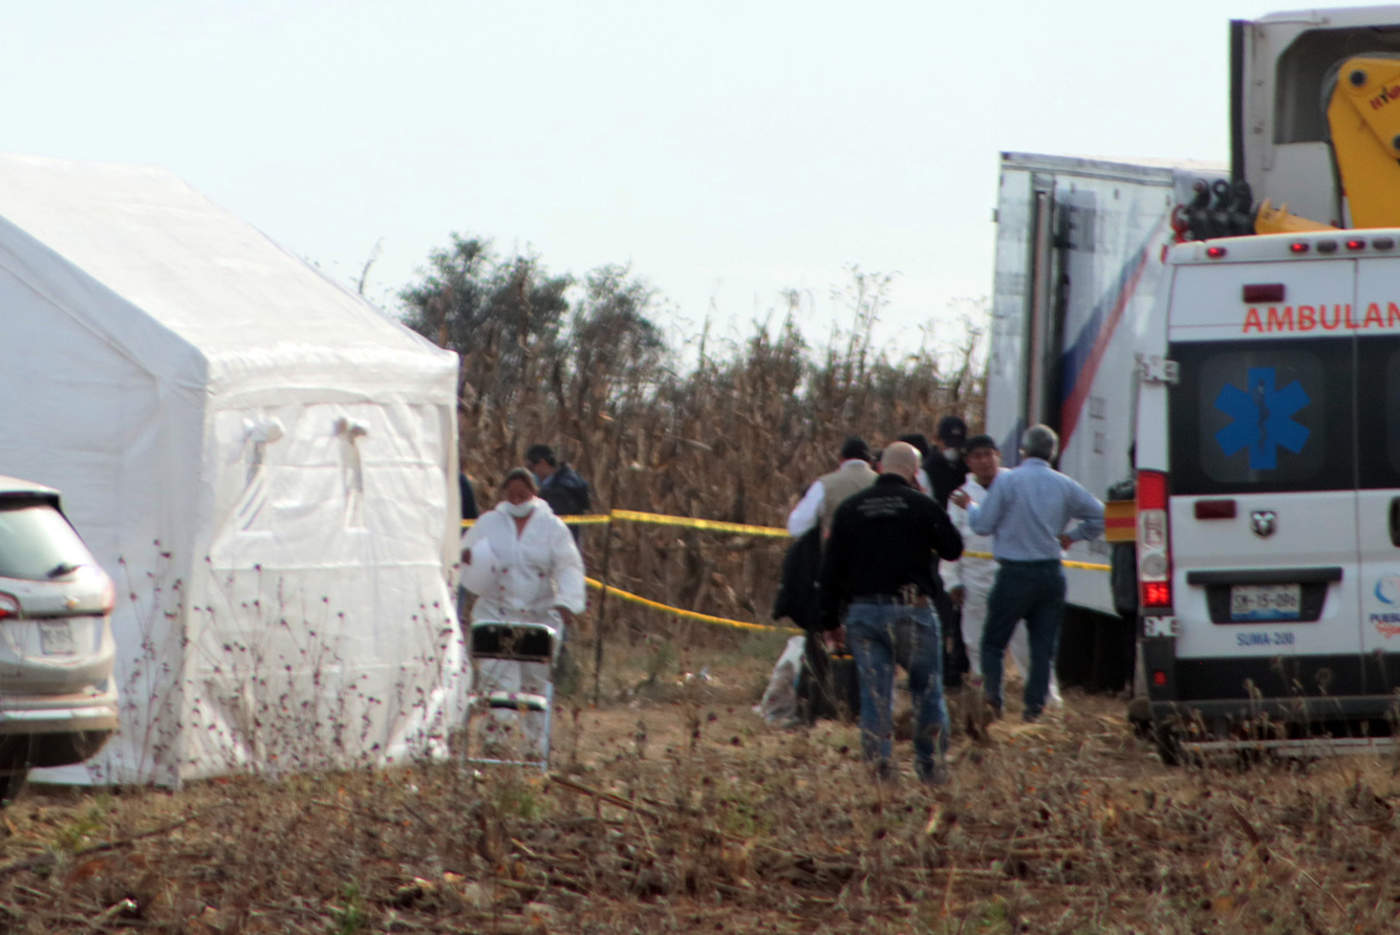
(827, 686)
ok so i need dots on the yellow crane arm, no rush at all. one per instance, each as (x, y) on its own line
(1364, 118)
(1271, 220)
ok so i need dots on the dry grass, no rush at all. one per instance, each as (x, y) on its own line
(673, 808)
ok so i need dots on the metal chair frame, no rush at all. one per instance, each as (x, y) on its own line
(515, 641)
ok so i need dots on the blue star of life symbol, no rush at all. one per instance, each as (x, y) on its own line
(1263, 418)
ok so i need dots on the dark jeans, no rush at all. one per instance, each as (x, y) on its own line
(955, 664)
(871, 635)
(1034, 592)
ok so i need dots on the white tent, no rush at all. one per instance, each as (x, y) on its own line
(264, 462)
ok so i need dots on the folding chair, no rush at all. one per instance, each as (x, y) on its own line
(513, 687)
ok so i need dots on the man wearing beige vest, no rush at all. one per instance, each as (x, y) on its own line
(830, 685)
(827, 492)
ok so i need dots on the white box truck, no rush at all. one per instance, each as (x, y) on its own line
(1080, 252)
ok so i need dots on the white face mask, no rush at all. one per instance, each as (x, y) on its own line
(952, 454)
(521, 510)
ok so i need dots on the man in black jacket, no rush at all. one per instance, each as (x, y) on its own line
(946, 470)
(880, 563)
(560, 486)
(817, 692)
(945, 466)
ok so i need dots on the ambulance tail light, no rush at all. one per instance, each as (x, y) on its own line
(1153, 542)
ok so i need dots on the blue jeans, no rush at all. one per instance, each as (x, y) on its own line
(1034, 592)
(870, 634)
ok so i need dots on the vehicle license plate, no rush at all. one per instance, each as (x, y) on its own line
(1266, 601)
(56, 638)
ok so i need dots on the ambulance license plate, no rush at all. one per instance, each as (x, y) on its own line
(1266, 601)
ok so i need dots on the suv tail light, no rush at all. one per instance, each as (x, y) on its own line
(1154, 542)
(9, 606)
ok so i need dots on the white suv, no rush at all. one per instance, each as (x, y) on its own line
(58, 698)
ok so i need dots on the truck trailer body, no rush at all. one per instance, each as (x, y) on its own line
(1079, 257)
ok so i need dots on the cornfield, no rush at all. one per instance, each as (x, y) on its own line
(737, 438)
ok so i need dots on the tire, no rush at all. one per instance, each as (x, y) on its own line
(1139, 673)
(1168, 743)
(1140, 717)
(65, 749)
(12, 783)
(54, 749)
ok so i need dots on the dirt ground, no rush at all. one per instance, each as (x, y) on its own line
(672, 807)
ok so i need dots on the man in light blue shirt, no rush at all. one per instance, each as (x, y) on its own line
(1027, 513)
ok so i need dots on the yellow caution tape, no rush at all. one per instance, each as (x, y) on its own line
(715, 525)
(688, 614)
(1091, 566)
(591, 519)
(661, 519)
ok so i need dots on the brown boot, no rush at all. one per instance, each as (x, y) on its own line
(975, 708)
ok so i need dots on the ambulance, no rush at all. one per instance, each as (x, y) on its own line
(1267, 420)
(1268, 497)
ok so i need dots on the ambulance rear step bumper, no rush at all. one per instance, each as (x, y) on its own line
(1311, 748)
(1311, 709)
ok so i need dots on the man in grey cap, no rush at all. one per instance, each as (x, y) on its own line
(1027, 512)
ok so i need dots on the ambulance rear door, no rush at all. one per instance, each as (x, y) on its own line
(1263, 508)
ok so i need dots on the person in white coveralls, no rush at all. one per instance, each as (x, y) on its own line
(520, 561)
(969, 579)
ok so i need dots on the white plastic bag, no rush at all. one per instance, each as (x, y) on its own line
(481, 573)
(779, 704)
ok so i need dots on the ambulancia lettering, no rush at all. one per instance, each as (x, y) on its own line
(1339, 316)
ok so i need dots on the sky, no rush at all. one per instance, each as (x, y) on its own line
(727, 152)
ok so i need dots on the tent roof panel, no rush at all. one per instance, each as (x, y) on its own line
(206, 275)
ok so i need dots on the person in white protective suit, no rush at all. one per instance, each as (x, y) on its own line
(969, 579)
(521, 562)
